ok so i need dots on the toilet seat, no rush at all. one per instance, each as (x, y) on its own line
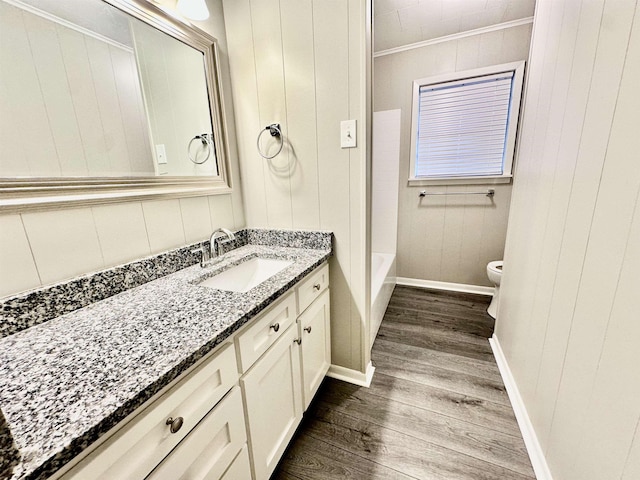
(495, 266)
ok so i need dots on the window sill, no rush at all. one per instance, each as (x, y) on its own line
(419, 182)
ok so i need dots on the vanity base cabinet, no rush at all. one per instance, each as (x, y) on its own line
(211, 424)
(315, 348)
(211, 447)
(140, 445)
(240, 469)
(272, 395)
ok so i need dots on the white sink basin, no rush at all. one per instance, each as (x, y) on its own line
(246, 275)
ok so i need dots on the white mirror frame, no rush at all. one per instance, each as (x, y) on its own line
(41, 193)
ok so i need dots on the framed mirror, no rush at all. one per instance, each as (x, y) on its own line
(106, 100)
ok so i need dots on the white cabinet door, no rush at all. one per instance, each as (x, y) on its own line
(316, 346)
(272, 395)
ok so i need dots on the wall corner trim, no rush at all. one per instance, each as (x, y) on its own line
(352, 376)
(452, 287)
(534, 449)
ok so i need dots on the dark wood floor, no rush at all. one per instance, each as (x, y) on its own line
(436, 409)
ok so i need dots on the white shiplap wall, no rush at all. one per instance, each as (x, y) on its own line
(302, 64)
(47, 247)
(568, 320)
(446, 239)
(71, 102)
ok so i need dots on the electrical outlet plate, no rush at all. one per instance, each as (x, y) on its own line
(348, 134)
(161, 154)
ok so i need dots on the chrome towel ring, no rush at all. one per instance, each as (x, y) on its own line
(275, 131)
(206, 139)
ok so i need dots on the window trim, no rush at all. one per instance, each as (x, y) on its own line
(518, 75)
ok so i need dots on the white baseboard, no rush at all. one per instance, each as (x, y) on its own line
(536, 455)
(452, 287)
(352, 376)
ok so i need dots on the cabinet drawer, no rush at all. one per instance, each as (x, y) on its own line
(138, 447)
(311, 288)
(263, 333)
(211, 447)
(240, 469)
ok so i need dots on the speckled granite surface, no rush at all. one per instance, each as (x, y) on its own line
(9, 455)
(38, 306)
(67, 381)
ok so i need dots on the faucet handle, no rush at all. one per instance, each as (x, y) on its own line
(204, 254)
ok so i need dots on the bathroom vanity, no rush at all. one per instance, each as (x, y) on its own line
(173, 379)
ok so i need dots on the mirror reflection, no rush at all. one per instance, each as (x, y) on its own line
(89, 91)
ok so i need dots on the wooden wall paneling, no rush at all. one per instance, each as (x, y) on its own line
(136, 128)
(85, 102)
(490, 49)
(16, 258)
(559, 308)
(269, 64)
(330, 31)
(72, 235)
(524, 183)
(467, 53)
(237, 16)
(614, 410)
(452, 234)
(157, 83)
(196, 218)
(222, 212)
(539, 184)
(52, 76)
(619, 181)
(108, 105)
(299, 84)
(545, 235)
(27, 108)
(184, 89)
(632, 464)
(515, 43)
(13, 160)
(117, 221)
(475, 212)
(357, 184)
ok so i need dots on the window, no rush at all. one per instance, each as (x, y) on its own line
(464, 125)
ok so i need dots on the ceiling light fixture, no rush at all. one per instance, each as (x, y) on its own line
(193, 9)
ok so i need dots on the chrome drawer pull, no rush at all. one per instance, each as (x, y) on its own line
(175, 424)
(317, 286)
(307, 329)
(275, 326)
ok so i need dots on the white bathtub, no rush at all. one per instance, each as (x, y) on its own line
(383, 281)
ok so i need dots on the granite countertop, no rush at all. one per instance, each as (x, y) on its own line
(66, 382)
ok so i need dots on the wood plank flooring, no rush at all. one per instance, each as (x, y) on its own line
(436, 409)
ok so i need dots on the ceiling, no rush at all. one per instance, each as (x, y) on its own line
(401, 22)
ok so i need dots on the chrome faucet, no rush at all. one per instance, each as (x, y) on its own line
(220, 232)
(208, 254)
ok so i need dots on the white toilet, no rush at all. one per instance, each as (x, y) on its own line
(494, 272)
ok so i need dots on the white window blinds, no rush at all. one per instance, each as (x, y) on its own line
(462, 127)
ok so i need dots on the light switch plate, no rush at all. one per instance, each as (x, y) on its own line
(161, 154)
(348, 134)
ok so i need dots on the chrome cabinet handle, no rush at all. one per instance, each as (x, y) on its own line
(317, 286)
(175, 424)
(275, 326)
(307, 329)
(298, 341)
